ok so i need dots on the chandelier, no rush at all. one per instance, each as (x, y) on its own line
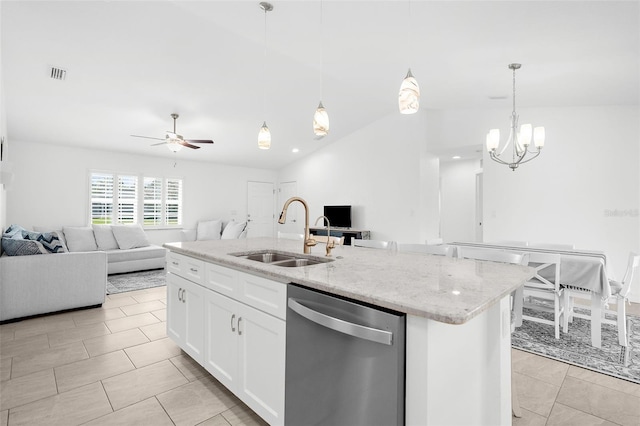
(519, 141)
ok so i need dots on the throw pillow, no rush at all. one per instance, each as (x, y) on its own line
(53, 229)
(209, 230)
(80, 238)
(13, 230)
(20, 247)
(104, 237)
(130, 236)
(49, 240)
(233, 230)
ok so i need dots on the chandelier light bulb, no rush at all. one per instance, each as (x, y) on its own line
(493, 139)
(538, 137)
(525, 134)
(409, 96)
(264, 137)
(321, 121)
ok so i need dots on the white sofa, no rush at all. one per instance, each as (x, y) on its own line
(215, 230)
(40, 284)
(76, 276)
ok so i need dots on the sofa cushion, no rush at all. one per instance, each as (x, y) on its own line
(49, 240)
(104, 237)
(209, 230)
(233, 230)
(130, 236)
(21, 247)
(139, 253)
(80, 238)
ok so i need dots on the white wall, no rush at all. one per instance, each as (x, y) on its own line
(587, 171)
(458, 200)
(51, 185)
(379, 170)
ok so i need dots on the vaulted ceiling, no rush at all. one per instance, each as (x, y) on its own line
(130, 64)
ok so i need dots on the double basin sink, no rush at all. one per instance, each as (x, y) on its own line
(284, 259)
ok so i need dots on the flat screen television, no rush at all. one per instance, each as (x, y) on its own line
(339, 216)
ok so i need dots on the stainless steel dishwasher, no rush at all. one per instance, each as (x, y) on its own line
(345, 362)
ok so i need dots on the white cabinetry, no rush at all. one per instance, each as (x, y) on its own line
(240, 318)
(185, 304)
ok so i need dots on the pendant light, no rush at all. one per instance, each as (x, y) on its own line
(409, 96)
(321, 118)
(264, 135)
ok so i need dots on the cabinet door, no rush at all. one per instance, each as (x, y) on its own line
(176, 310)
(193, 300)
(262, 364)
(221, 316)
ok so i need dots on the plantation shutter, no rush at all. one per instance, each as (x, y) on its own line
(173, 202)
(127, 199)
(101, 198)
(152, 201)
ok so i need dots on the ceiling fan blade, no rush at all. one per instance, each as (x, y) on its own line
(161, 143)
(198, 141)
(147, 137)
(188, 145)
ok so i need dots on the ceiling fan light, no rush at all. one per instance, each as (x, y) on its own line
(409, 96)
(321, 121)
(174, 146)
(264, 137)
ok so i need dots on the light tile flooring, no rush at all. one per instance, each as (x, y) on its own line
(114, 365)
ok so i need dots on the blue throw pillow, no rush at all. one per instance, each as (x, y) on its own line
(20, 247)
(13, 231)
(49, 240)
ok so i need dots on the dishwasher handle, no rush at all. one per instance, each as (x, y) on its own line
(355, 330)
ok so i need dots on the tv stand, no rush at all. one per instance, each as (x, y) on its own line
(347, 233)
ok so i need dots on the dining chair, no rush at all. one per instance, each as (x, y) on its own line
(544, 293)
(378, 244)
(552, 246)
(290, 236)
(516, 298)
(619, 296)
(441, 249)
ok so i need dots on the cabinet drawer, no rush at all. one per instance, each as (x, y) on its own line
(186, 267)
(263, 294)
(221, 279)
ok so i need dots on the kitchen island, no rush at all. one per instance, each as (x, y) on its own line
(458, 359)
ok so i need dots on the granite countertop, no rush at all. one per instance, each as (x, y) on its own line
(448, 290)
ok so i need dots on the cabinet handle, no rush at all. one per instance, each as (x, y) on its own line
(232, 318)
(239, 331)
(184, 295)
(180, 294)
(175, 263)
(193, 270)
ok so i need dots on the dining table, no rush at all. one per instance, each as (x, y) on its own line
(580, 269)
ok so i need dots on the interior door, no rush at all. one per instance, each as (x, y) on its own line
(260, 209)
(293, 225)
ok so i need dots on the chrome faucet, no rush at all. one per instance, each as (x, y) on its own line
(308, 241)
(330, 243)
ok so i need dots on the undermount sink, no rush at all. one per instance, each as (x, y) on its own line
(289, 260)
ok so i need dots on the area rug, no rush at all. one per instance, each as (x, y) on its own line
(120, 283)
(575, 347)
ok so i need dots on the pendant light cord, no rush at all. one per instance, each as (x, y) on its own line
(264, 69)
(321, 54)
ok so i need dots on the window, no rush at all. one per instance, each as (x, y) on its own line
(118, 199)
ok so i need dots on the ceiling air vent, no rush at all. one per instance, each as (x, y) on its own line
(58, 73)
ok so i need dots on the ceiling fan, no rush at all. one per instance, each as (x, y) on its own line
(174, 141)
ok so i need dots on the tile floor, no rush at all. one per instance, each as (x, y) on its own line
(114, 365)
